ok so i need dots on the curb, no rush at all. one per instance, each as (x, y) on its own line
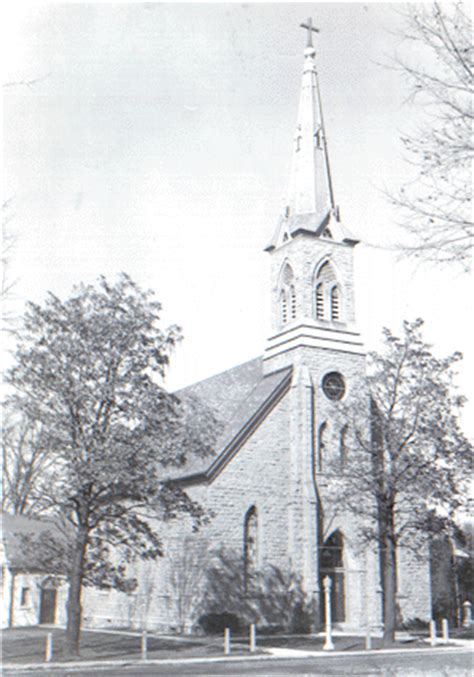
(280, 655)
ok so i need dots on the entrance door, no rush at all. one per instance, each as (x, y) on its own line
(331, 565)
(47, 612)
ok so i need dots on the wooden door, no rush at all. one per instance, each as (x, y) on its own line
(47, 612)
(331, 565)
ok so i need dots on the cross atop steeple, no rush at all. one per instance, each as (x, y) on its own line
(311, 29)
(310, 205)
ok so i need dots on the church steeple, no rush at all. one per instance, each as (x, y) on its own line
(313, 309)
(310, 206)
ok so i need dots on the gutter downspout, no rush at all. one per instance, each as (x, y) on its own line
(11, 610)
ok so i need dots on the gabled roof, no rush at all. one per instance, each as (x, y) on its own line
(312, 224)
(240, 399)
(16, 528)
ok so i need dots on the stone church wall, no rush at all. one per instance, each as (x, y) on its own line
(414, 584)
(256, 476)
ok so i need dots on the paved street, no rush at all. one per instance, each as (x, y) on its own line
(439, 663)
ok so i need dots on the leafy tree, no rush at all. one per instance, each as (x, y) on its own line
(435, 205)
(89, 371)
(412, 462)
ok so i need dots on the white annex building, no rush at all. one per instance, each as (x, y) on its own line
(267, 485)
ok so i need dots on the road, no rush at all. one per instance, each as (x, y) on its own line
(410, 663)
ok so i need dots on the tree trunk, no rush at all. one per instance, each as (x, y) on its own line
(74, 609)
(389, 576)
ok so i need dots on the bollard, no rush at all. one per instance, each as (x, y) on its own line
(144, 645)
(328, 644)
(368, 640)
(49, 647)
(433, 640)
(227, 642)
(445, 626)
(253, 638)
(466, 614)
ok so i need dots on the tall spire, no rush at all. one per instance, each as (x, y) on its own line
(310, 204)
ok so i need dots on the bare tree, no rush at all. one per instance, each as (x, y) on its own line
(25, 459)
(435, 204)
(7, 283)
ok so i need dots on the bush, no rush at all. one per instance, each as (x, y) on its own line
(414, 624)
(300, 623)
(215, 624)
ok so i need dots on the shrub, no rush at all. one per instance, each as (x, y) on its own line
(215, 624)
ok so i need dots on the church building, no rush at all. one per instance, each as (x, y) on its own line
(268, 486)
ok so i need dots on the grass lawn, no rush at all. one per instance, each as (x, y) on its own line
(27, 645)
(341, 643)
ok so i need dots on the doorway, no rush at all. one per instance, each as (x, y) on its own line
(47, 612)
(331, 565)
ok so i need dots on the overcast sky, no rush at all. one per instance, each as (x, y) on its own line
(156, 140)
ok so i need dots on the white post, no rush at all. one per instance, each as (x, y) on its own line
(227, 642)
(328, 644)
(466, 614)
(433, 640)
(368, 639)
(49, 647)
(253, 638)
(144, 645)
(445, 626)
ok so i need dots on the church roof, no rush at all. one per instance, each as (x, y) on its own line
(240, 398)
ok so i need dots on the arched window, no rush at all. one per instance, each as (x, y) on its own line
(327, 295)
(320, 301)
(321, 445)
(283, 307)
(335, 309)
(292, 302)
(343, 446)
(287, 295)
(250, 544)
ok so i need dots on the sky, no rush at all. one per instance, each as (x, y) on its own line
(156, 139)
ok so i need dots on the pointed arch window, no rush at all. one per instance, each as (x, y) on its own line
(321, 446)
(292, 302)
(335, 303)
(250, 544)
(283, 307)
(320, 301)
(287, 295)
(327, 295)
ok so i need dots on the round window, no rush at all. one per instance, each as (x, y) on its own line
(334, 386)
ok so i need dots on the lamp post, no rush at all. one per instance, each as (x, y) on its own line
(328, 644)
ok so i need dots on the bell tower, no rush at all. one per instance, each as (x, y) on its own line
(314, 331)
(312, 292)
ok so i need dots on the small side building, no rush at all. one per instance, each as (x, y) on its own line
(31, 594)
